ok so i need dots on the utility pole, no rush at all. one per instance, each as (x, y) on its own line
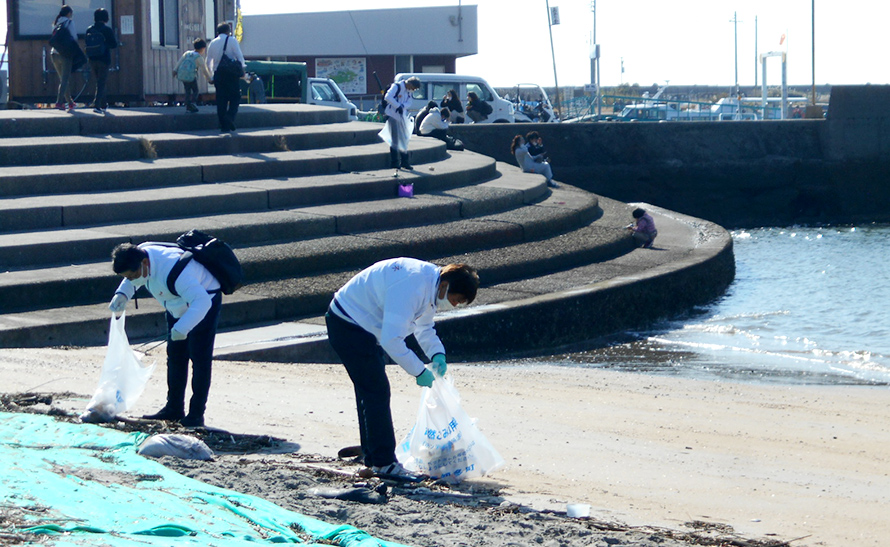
(595, 63)
(735, 21)
(755, 51)
(813, 11)
(553, 53)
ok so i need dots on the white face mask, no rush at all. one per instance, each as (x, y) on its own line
(142, 279)
(443, 304)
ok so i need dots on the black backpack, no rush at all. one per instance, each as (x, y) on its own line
(62, 41)
(212, 253)
(96, 48)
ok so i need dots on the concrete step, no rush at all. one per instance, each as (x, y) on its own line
(80, 149)
(92, 282)
(499, 247)
(17, 124)
(48, 180)
(278, 219)
(616, 287)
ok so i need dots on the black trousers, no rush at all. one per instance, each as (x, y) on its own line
(100, 73)
(228, 97)
(365, 364)
(197, 347)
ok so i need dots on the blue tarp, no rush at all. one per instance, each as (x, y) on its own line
(86, 485)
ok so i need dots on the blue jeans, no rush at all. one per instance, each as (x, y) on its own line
(197, 347)
(364, 362)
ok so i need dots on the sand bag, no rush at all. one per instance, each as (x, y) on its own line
(123, 377)
(185, 447)
(445, 442)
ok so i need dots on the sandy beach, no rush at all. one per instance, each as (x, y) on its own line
(800, 464)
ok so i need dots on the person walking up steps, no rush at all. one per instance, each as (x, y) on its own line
(186, 71)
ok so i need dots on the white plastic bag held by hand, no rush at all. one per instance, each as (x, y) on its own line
(123, 377)
(445, 442)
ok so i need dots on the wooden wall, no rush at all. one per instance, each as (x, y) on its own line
(145, 73)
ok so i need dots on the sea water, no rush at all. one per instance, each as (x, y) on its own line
(808, 304)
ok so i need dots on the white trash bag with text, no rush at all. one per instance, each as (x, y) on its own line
(123, 377)
(445, 442)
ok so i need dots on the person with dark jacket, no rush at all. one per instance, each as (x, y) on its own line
(451, 101)
(66, 62)
(477, 109)
(100, 60)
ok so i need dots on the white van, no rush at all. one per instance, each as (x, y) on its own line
(434, 85)
(326, 92)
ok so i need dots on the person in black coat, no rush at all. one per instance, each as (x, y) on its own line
(100, 59)
(451, 101)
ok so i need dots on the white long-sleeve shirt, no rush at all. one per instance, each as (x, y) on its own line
(432, 121)
(393, 299)
(215, 51)
(193, 302)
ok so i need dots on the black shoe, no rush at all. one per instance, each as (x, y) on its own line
(192, 421)
(407, 166)
(165, 414)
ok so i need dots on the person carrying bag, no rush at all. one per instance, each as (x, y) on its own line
(66, 55)
(226, 63)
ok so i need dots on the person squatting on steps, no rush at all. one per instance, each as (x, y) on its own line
(643, 228)
(192, 319)
(397, 130)
(374, 313)
(529, 163)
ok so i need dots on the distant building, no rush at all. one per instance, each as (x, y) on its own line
(349, 46)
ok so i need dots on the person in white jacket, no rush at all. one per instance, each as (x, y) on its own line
(228, 88)
(374, 313)
(192, 319)
(397, 130)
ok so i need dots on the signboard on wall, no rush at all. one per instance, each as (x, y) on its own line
(350, 73)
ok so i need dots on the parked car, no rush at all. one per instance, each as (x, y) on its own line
(326, 92)
(434, 85)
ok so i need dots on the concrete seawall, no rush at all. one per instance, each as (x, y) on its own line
(736, 174)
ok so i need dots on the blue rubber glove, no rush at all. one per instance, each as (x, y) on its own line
(439, 364)
(400, 110)
(425, 379)
(176, 336)
(118, 303)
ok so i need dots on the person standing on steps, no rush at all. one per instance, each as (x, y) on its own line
(228, 89)
(192, 319)
(99, 53)
(374, 313)
(397, 130)
(64, 61)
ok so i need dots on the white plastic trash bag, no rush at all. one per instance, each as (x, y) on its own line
(123, 377)
(180, 446)
(445, 442)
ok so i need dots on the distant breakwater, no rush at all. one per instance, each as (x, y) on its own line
(736, 174)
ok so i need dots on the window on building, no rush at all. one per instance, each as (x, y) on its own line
(165, 23)
(34, 18)
(404, 63)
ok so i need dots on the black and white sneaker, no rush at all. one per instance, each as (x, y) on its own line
(395, 471)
